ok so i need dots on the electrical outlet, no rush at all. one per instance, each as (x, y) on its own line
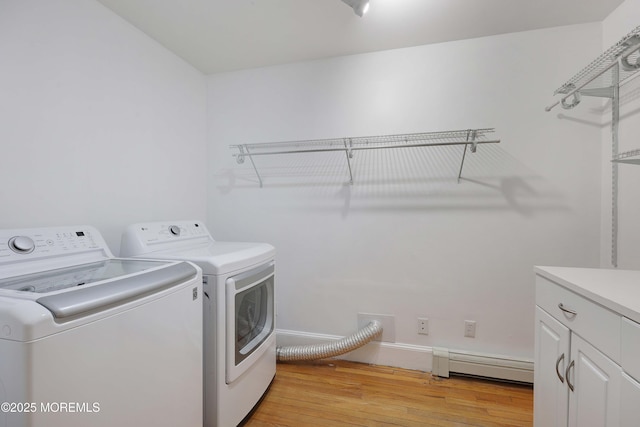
(423, 326)
(470, 328)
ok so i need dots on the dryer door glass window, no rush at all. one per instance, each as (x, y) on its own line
(254, 318)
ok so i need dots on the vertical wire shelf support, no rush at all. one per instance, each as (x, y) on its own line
(469, 138)
(603, 78)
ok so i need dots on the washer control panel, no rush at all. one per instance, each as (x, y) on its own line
(34, 243)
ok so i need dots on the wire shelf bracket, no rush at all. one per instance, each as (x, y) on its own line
(469, 138)
(603, 78)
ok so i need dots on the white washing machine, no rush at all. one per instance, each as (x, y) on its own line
(91, 340)
(239, 311)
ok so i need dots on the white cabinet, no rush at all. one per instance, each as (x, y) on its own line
(551, 394)
(575, 384)
(595, 397)
(587, 357)
(630, 357)
(629, 402)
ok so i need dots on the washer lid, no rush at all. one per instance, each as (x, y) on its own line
(80, 289)
(41, 304)
(75, 276)
(89, 299)
(217, 258)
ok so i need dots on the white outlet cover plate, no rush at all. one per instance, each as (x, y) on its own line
(470, 328)
(388, 325)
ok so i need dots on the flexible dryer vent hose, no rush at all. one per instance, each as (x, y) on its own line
(335, 348)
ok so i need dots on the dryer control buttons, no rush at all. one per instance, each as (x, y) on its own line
(175, 230)
(21, 244)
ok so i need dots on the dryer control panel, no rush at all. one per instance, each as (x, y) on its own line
(154, 236)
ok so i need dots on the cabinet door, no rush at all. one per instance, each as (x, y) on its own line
(630, 402)
(550, 392)
(595, 400)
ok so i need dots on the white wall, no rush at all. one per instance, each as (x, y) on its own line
(623, 20)
(406, 239)
(100, 124)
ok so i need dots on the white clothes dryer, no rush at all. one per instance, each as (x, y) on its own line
(239, 311)
(87, 339)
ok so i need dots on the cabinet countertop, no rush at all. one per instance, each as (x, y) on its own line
(617, 290)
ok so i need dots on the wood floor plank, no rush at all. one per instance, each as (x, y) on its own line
(341, 393)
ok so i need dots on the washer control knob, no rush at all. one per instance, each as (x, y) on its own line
(175, 230)
(22, 244)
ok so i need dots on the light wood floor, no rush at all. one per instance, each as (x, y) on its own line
(340, 393)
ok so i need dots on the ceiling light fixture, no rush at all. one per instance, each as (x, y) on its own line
(360, 7)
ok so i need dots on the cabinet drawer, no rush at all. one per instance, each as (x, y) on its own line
(594, 323)
(630, 348)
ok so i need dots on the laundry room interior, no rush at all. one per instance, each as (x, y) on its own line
(110, 118)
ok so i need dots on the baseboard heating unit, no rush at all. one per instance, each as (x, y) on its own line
(447, 361)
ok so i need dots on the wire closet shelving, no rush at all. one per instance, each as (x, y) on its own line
(470, 138)
(603, 78)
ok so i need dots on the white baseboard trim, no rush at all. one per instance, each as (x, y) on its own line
(439, 361)
(406, 356)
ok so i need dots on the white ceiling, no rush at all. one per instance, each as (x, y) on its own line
(224, 35)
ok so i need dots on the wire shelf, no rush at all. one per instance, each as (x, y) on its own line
(603, 75)
(366, 142)
(627, 157)
(470, 138)
(600, 68)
